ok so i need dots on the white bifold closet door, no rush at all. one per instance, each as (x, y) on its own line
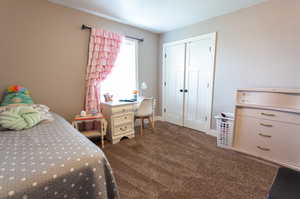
(175, 62)
(188, 73)
(198, 81)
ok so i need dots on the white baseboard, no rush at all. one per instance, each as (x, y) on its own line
(212, 132)
(158, 118)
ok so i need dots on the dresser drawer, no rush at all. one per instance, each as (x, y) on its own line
(269, 115)
(122, 119)
(276, 141)
(122, 129)
(253, 138)
(289, 100)
(121, 109)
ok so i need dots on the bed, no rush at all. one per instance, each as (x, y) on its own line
(53, 160)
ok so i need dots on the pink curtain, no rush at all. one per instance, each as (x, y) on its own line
(103, 50)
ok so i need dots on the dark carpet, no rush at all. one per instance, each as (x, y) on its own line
(179, 163)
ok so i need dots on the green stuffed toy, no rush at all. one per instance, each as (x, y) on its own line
(16, 95)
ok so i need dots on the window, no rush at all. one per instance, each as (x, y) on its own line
(123, 78)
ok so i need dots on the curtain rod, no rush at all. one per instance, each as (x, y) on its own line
(85, 27)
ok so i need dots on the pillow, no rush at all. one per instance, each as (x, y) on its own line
(20, 117)
(3, 109)
(44, 110)
(46, 116)
(16, 95)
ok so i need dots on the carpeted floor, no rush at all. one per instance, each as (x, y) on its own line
(179, 163)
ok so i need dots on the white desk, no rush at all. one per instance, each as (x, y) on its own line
(120, 117)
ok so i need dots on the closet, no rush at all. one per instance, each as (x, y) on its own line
(188, 74)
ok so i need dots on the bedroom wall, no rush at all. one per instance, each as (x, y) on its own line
(44, 49)
(256, 47)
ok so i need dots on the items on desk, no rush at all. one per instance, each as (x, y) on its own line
(127, 100)
(94, 112)
(134, 99)
(82, 114)
(108, 97)
(144, 87)
(135, 94)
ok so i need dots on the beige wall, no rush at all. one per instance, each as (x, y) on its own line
(43, 48)
(256, 47)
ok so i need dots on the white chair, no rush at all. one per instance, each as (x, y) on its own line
(146, 111)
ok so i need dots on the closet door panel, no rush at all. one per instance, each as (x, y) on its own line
(174, 79)
(199, 69)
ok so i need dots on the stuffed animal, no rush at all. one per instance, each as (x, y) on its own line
(16, 95)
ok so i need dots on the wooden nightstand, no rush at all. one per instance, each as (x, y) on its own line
(90, 118)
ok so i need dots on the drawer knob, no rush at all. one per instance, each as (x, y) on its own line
(263, 148)
(266, 125)
(125, 118)
(263, 135)
(268, 114)
(123, 129)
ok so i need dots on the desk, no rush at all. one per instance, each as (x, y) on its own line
(120, 117)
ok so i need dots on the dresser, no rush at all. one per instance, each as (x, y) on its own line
(120, 118)
(267, 125)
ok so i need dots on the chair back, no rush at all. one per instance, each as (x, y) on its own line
(146, 107)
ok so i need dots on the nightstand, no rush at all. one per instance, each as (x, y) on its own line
(92, 118)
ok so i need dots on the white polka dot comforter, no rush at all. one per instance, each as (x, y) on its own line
(51, 161)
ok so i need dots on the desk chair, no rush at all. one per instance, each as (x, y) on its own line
(146, 111)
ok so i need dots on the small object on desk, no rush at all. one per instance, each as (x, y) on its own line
(127, 100)
(108, 97)
(82, 113)
(94, 112)
(144, 87)
(92, 118)
(135, 94)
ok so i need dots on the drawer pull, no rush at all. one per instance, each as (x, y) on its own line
(268, 114)
(124, 128)
(266, 125)
(263, 135)
(125, 118)
(123, 110)
(263, 148)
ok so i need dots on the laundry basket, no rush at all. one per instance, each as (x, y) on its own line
(225, 123)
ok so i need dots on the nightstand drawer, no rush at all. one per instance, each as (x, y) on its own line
(122, 109)
(125, 128)
(122, 119)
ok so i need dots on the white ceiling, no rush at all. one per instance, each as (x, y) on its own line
(158, 15)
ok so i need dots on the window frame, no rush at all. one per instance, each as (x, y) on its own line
(136, 67)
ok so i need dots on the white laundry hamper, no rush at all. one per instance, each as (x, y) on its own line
(225, 125)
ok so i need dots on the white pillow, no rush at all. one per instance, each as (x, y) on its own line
(3, 109)
(43, 109)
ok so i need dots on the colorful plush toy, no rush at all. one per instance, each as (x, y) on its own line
(16, 95)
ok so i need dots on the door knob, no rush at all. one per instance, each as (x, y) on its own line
(181, 90)
(185, 90)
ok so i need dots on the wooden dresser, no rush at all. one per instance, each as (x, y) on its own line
(267, 125)
(120, 117)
